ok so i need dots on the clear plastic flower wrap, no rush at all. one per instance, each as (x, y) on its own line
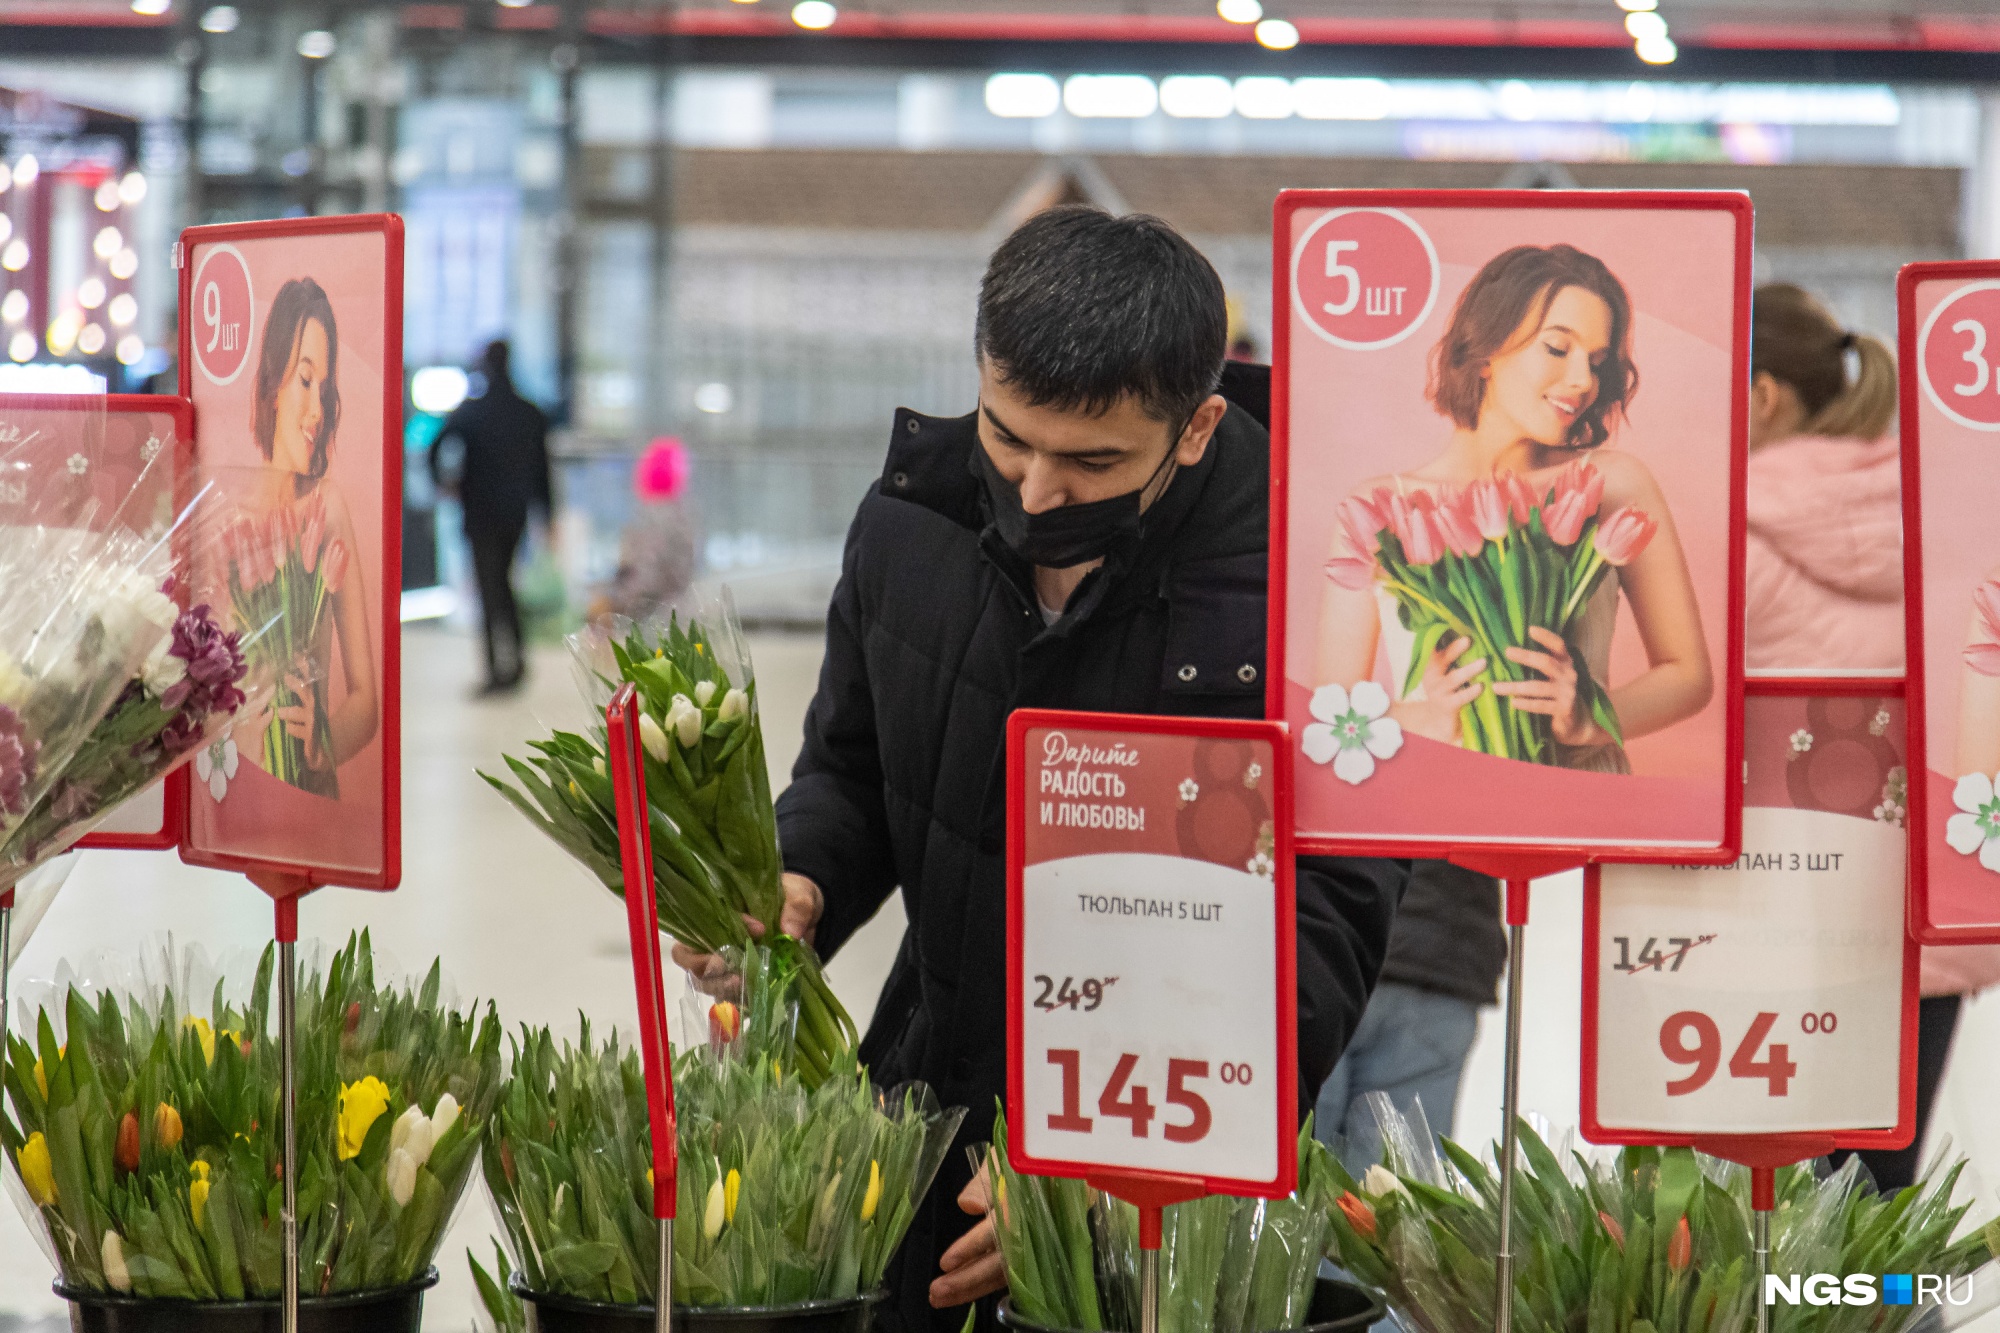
(714, 831)
(145, 1147)
(785, 1193)
(1636, 1239)
(1227, 1265)
(113, 669)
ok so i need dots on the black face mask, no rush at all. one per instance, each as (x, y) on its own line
(1071, 534)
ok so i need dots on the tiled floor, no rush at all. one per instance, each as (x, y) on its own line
(515, 920)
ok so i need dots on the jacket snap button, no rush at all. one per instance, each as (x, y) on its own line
(1246, 673)
(910, 425)
(1186, 672)
(902, 480)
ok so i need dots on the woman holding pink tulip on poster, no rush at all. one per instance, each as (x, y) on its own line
(289, 563)
(1492, 574)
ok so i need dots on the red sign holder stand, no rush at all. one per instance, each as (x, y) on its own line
(642, 920)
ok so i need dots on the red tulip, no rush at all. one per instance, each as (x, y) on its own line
(1611, 1225)
(1680, 1250)
(1622, 536)
(1359, 1215)
(725, 1020)
(126, 1154)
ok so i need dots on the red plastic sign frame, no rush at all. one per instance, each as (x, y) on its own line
(1151, 1189)
(1924, 836)
(1519, 860)
(302, 875)
(1755, 1149)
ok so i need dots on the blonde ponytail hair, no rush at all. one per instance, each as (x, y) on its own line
(1796, 340)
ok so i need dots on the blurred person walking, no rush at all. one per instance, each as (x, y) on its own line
(504, 476)
(660, 549)
(1447, 950)
(1824, 579)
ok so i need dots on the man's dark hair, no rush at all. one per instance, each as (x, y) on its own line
(493, 362)
(1079, 309)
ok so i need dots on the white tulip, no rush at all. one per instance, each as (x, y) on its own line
(115, 1271)
(444, 1117)
(734, 705)
(162, 670)
(422, 1139)
(704, 692)
(402, 1177)
(685, 719)
(399, 1133)
(1379, 1180)
(712, 1212)
(654, 739)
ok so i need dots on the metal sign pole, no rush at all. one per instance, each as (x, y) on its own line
(1510, 1108)
(663, 1302)
(286, 891)
(6, 962)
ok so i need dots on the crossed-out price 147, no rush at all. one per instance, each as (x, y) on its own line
(1692, 1038)
(1120, 1097)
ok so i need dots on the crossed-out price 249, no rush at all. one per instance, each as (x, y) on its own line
(1692, 1038)
(1120, 1097)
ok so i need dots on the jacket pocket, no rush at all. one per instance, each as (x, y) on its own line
(1215, 627)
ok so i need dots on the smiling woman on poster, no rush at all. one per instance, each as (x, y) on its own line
(1492, 572)
(318, 721)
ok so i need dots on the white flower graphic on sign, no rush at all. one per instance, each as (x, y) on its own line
(1189, 790)
(1351, 730)
(1975, 829)
(216, 765)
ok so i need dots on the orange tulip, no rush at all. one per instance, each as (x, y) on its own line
(1359, 1215)
(725, 1020)
(127, 1152)
(1680, 1250)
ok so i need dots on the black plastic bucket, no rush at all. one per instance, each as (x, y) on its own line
(566, 1314)
(1337, 1307)
(396, 1310)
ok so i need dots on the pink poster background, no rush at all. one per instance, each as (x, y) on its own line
(1958, 477)
(238, 812)
(1359, 414)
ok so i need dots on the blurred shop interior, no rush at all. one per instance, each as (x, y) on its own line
(759, 229)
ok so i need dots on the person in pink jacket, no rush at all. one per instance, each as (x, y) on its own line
(1824, 573)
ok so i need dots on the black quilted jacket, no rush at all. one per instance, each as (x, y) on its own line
(933, 638)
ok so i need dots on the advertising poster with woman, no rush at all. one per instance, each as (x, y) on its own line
(1507, 533)
(1950, 334)
(292, 353)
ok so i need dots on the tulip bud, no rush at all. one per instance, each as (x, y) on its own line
(115, 1271)
(1380, 1181)
(1611, 1225)
(353, 1018)
(401, 1175)
(399, 1133)
(686, 720)
(42, 1080)
(712, 1212)
(126, 1154)
(444, 1117)
(732, 1190)
(422, 1139)
(1680, 1250)
(38, 1172)
(873, 1198)
(734, 705)
(703, 692)
(507, 1160)
(652, 737)
(198, 1200)
(166, 1126)
(1359, 1215)
(725, 1020)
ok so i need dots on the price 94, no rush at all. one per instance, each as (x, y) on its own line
(1693, 1038)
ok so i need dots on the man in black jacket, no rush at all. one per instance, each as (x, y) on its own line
(1093, 537)
(504, 475)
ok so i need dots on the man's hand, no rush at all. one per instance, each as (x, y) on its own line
(798, 918)
(972, 1267)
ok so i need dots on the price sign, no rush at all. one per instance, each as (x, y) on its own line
(1949, 321)
(1776, 994)
(1151, 993)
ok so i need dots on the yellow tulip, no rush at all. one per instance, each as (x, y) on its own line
(873, 1198)
(712, 1212)
(199, 1170)
(198, 1200)
(204, 1034)
(38, 1173)
(732, 1188)
(166, 1126)
(42, 1080)
(361, 1104)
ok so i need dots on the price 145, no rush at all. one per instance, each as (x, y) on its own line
(1121, 1098)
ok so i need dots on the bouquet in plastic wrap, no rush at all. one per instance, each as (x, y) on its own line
(145, 1145)
(715, 839)
(1227, 1265)
(111, 673)
(785, 1193)
(1649, 1241)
